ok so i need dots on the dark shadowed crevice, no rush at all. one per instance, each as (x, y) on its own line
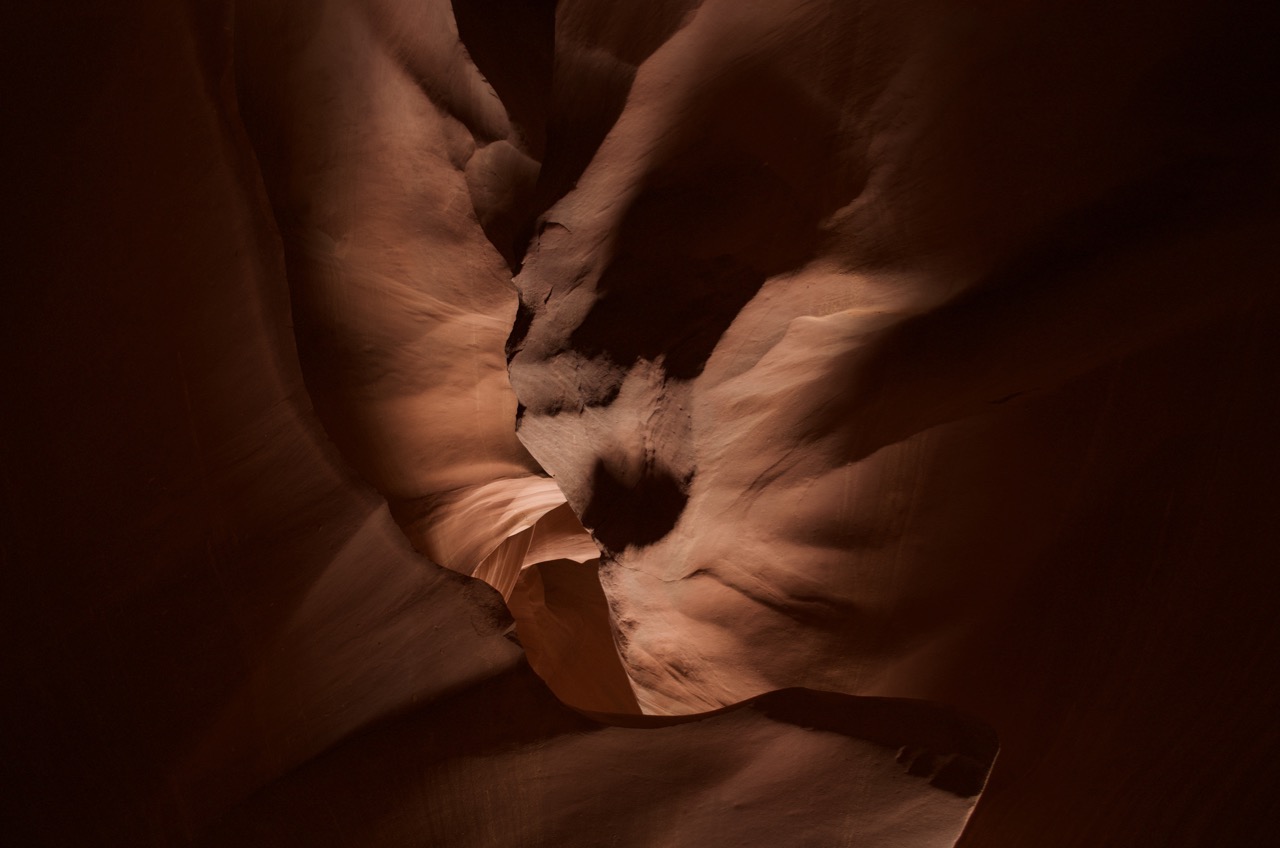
(520, 329)
(512, 44)
(623, 513)
(677, 310)
(595, 66)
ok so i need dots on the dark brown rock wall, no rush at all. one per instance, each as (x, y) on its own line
(906, 350)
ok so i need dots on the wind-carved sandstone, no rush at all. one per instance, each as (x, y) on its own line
(842, 337)
(400, 182)
(824, 393)
(418, 157)
(890, 348)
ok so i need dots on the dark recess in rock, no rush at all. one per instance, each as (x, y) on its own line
(674, 309)
(524, 320)
(622, 514)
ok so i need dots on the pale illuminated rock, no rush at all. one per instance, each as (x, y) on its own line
(885, 348)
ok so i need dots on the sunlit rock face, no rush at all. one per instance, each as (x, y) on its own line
(400, 182)
(889, 349)
(915, 350)
(219, 631)
(827, 341)
(216, 632)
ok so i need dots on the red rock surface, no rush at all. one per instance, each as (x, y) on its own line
(897, 350)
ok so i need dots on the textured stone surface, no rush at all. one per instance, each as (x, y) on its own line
(929, 359)
(529, 772)
(203, 598)
(896, 349)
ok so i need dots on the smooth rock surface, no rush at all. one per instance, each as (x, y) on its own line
(909, 350)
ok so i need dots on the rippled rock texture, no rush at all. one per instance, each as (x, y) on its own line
(646, 424)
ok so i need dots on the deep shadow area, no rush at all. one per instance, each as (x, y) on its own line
(623, 513)
(590, 85)
(713, 221)
(674, 309)
(431, 763)
(512, 44)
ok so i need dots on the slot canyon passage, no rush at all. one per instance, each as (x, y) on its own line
(658, 424)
